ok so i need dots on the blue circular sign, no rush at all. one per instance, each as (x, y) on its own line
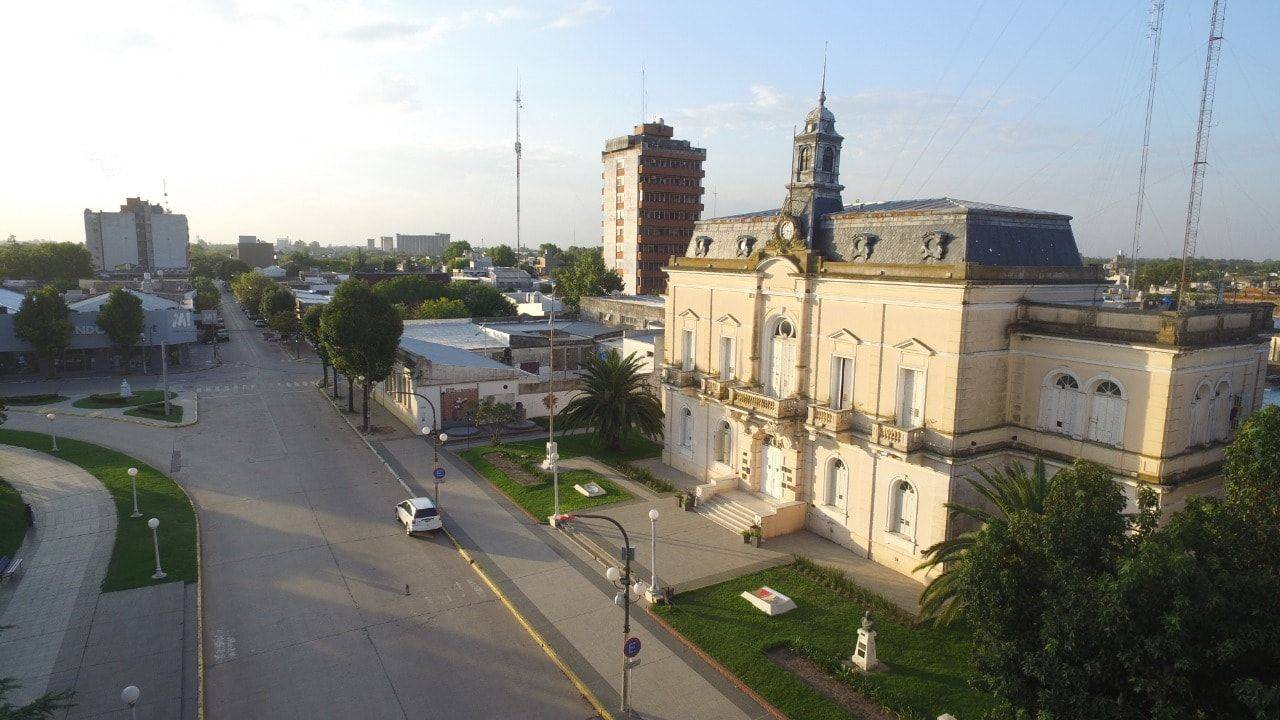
(439, 473)
(631, 647)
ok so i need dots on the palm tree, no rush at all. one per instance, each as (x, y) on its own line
(1008, 492)
(616, 400)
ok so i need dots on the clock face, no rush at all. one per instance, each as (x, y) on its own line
(788, 229)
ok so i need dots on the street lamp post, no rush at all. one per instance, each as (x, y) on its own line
(440, 439)
(133, 483)
(52, 436)
(154, 524)
(129, 696)
(552, 463)
(620, 579)
(654, 594)
(164, 362)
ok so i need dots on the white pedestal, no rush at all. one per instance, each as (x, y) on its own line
(769, 601)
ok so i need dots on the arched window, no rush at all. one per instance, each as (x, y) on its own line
(724, 443)
(1220, 412)
(837, 484)
(686, 429)
(802, 164)
(829, 159)
(902, 506)
(1198, 434)
(780, 353)
(1106, 413)
(1059, 404)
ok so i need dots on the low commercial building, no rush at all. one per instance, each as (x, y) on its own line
(638, 312)
(167, 325)
(255, 254)
(535, 303)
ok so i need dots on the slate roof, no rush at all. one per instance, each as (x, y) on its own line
(931, 230)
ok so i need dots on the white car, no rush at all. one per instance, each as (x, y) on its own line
(418, 515)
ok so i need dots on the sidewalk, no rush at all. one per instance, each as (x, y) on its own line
(65, 633)
(564, 595)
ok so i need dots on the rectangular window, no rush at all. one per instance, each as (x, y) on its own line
(686, 350)
(841, 382)
(910, 397)
(726, 358)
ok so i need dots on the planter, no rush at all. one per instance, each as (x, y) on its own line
(690, 504)
(746, 538)
(755, 540)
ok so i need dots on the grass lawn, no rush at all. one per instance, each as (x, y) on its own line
(113, 400)
(570, 446)
(45, 399)
(132, 557)
(13, 524)
(145, 411)
(928, 667)
(539, 499)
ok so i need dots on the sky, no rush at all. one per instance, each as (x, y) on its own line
(338, 120)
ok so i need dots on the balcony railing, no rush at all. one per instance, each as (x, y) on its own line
(677, 376)
(758, 402)
(905, 440)
(716, 389)
(827, 418)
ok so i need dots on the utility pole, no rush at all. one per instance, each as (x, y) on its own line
(1202, 143)
(1157, 24)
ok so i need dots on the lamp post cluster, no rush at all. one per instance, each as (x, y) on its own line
(154, 524)
(440, 439)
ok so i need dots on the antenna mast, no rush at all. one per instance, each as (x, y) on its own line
(1202, 143)
(644, 97)
(1157, 24)
(164, 183)
(518, 149)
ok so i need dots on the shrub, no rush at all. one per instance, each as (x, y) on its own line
(109, 399)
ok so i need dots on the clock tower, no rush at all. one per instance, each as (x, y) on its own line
(814, 189)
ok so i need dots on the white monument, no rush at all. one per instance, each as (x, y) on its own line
(864, 655)
(769, 601)
(125, 390)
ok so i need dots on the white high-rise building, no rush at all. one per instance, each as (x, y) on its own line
(142, 236)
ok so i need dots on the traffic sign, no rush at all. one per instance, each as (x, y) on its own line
(631, 647)
(438, 473)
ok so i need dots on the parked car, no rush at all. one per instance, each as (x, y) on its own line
(418, 514)
(260, 323)
(222, 336)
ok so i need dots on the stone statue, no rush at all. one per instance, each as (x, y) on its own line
(125, 390)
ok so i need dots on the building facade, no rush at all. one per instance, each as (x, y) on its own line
(142, 236)
(254, 253)
(429, 245)
(387, 244)
(845, 369)
(651, 199)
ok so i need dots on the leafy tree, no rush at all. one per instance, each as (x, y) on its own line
(502, 255)
(363, 331)
(121, 317)
(1009, 493)
(482, 299)
(276, 299)
(549, 250)
(311, 331)
(615, 400)
(249, 288)
(456, 249)
(285, 323)
(42, 321)
(440, 309)
(45, 706)
(586, 276)
(492, 415)
(1253, 464)
(4, 415)
(410, 290)
(457, 263)
(206, 294)
(215, 264)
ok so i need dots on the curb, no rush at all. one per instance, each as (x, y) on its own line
(118, 418)
(724, 671)
(541, 642)
(199, 603)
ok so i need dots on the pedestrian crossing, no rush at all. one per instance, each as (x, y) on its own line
(245, 388)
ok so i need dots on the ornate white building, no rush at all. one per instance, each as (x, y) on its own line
(844, 368)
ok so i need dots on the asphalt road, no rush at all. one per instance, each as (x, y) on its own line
(316, 603)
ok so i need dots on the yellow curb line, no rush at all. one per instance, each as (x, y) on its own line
(564, 668)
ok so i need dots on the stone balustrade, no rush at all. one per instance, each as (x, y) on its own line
(716, 389)
(759, 402)
(677, 376)
(904, 440)
(827, 418)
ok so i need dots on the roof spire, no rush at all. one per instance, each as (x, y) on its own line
(822, 89)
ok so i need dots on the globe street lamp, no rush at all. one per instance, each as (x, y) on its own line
(621, 580)
(552, 465)
(440, 439)
(654, 594)
(133, 483)
(52, 436)
(154, 524)
(129, 696)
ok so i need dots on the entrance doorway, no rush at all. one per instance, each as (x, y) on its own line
(773, 464)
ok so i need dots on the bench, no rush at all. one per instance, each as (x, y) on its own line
(9, 567)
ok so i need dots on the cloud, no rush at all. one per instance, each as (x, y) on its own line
(393, 31)
(579, 14)
(766, 95)
(380, 31)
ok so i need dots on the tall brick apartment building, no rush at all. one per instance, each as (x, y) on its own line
(652, 197)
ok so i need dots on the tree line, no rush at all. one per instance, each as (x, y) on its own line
(1080, 611)
(43, 319)
(60, 263)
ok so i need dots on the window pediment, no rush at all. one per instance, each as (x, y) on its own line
(689, 314)
(913, 345)
(844, 336)
(729, 320)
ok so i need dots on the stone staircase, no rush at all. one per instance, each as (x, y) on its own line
(727, 512)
